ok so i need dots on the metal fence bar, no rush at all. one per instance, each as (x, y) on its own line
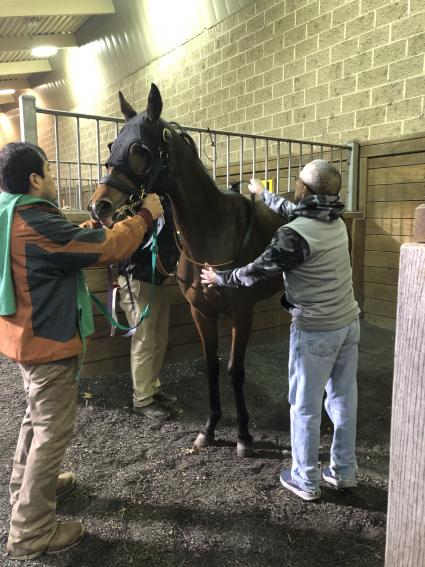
(214, 145)
(254, 156)
(241, 161)
(91, 179)
(266, 165)
(99, 167)
(301, 158)
(79, 200)
(353, 173)
(278, 167)
(69, 184)
(57, 156)
(289, 166)
(227, 161)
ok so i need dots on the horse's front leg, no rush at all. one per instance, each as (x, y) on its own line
(208, 332)
(242, 323)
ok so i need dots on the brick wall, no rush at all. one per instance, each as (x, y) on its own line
(324, 70)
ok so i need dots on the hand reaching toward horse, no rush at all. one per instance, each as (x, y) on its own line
(255, 186)
(153, 204)
(208, 276)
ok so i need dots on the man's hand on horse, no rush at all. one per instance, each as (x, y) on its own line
(208, 276)
(153, 203)
(255, 186)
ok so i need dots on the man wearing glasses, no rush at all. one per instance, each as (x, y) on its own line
(311, 251)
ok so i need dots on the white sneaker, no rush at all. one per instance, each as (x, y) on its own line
(330, 478)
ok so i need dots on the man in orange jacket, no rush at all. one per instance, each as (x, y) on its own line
(45, 317)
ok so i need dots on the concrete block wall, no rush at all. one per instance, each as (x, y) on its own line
(323, 70)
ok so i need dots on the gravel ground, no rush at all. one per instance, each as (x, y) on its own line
(147, 500)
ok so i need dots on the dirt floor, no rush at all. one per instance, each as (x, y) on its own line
(146, 500)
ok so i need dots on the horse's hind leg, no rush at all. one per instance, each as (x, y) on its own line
(207, 329)
(241, 330)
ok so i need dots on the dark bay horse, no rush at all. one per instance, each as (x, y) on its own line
(221, 228)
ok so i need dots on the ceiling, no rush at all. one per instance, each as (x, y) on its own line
(25, 24)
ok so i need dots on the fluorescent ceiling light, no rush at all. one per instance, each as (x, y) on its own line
(44, 51)
(7, 91)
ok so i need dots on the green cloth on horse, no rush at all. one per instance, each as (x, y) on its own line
(8, 203)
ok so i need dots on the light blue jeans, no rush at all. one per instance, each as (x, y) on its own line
(322, 361)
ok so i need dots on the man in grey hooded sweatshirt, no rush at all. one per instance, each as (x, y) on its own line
(312, 253)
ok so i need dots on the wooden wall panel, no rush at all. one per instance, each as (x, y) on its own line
(392, 185)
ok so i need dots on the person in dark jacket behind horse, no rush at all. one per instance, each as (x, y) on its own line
(312, 252)
(149, 341)
(45, 318)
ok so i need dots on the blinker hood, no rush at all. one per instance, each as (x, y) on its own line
(138, 130)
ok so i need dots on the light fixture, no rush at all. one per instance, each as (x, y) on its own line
(7, 92)
(44, 51)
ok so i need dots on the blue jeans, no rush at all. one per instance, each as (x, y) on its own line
(322, 361)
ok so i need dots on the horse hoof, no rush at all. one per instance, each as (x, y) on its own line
(244, 449)
(203, 441)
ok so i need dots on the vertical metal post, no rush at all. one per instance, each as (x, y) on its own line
(91, 179)
(214, 155)
(332, 155)
(321, 151)
(289, 166)
(311, 152)
(99, 167)
(353, 175)
(28, 118)
(79, 200)
(227, 161)
(278, 168)
(200, 145)
(266, 165)
(241, 162)
(58, 167)
(254, 156)
(301, 158)
(69, 185)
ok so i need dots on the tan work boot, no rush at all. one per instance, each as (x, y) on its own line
(66, 536)
(66, 484)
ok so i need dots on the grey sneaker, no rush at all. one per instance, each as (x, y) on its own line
(165, 397)
(287, 482)
(152, 411)
(329, 477)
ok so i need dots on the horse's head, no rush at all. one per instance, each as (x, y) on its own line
(136, 161)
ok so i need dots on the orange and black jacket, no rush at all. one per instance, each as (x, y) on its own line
(47, 252)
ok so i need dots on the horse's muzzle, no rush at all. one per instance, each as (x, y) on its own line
(102, 211)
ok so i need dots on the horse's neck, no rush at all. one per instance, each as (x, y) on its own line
(197, 201)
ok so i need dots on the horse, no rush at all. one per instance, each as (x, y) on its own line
(221, 228)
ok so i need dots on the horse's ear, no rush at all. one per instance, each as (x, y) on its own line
(154, 107)
(126, 108)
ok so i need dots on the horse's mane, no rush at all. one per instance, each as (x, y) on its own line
(185, 137)
(188, 140)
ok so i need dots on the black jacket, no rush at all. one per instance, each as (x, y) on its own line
(140, 263)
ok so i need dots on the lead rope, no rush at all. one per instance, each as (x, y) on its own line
(130, 330)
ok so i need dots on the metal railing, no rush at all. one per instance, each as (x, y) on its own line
(231, 157)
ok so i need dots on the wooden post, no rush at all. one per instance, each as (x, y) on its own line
(405, 546)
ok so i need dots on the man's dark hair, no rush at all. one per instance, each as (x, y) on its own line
(17, 161)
